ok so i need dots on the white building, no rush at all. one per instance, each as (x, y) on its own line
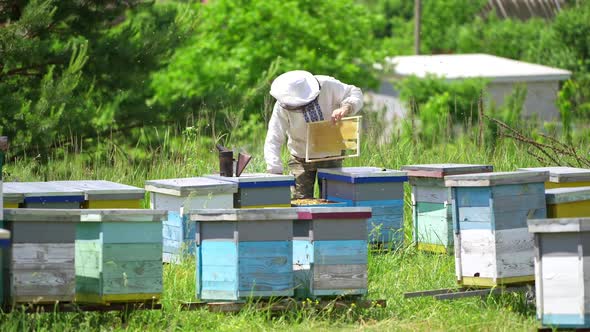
(503, 74)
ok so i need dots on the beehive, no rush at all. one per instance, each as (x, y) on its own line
(191, 193)
(119, 256)
(431, 203)
(42, 260)
(560, 177)
(258, 190)
(99, 194)
(380, 189)
(568, 202)
(45, 195)
(562, 271)
(244, 253)
(490, 212)
(330, 253)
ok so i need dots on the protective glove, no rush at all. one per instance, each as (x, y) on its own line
(341, 112)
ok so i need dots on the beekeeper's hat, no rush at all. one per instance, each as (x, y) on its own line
(295, 88)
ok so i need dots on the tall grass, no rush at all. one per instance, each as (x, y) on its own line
(170, 153)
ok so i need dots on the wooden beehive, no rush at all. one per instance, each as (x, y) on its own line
(431, 203)
(490, 211)
(380, 189)
(560, 177)
(259, 190)
(45, 195)
(99, 194)
(330, 253)
(244, 253)
(568, 202)
(119, 256)
(41, 261)
(562, 271)
(189, 193)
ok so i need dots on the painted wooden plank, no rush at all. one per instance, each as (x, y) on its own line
(45, 215)
(123, 215)
(363, 191)
(340, 252)
(33, 282)
(514, 253)
(263, 196)
(339, 277)
(343, 229)
(560, 225)
(113, 204)
(430, 194)
(135, 232)
(218, 253)
(160, 201)
(477, 254)
(362, 172)
(553, 185)
(569, 210)
(104, 190)
(518, 189)
(442, 170)
(140, 269)
(132, 285)
(495, 178)
(272, 284)
(564, 174)
(40, 232)
(41, 189)
(567, 195)
(136, 252)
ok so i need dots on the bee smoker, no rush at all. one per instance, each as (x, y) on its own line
(227, 163)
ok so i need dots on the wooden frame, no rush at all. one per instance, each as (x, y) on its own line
(346, 133)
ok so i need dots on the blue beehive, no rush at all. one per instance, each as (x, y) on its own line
(380, 189)
(243, 253)
(45, 195)
(188, 193)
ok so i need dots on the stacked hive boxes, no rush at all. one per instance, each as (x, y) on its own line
(562, 271)
(560, 177)
(568, 202)
(260, 190)
(4, 252)
(243, 253)
(45, 195)
(380, 189)
(188, 193)
(490, 212)
(431, 203)
(42, 260)
(119, 256)
(330, 251)
(100, 194)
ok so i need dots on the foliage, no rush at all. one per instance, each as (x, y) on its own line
(236, 41)
(462, 99)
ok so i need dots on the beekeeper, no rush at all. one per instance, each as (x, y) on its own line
(303, 98)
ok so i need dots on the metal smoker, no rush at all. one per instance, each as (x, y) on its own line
(227, 163)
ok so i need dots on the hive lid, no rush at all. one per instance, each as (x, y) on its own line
(190, 186)
(567, 195)
(4, 234)
(14, 198)
(309, 213)
(563, 174)
(41, 191)
(442, 170)
(243, 214)
(253, 180)
(495, 178)
(51, 215)
(362, 175)
(126, 215)
(559, 225)
(100, 189)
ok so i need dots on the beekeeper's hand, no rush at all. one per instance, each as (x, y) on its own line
(341, 112)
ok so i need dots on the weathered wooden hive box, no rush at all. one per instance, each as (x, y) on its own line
(380, 189)
(568, 202)
(560, 177)
(244, 253)
(4, 252)
(99, 194)
(41, 261)
(562, 269)
(490, 212)
(431, 203)
(45, 195)
(188, 193)
(119, 256)
(330, 253)
(259, 190)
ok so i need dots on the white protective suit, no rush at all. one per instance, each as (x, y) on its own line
(333, 95)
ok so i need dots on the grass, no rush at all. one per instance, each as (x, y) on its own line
(165, 155)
